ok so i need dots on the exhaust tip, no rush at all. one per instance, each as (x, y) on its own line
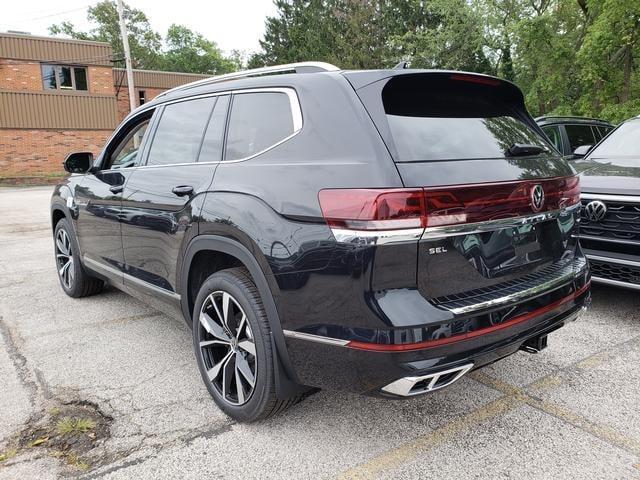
(409, 386)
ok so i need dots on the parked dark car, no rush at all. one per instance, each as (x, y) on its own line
(383, 232)
(569, 133)
(610, 224)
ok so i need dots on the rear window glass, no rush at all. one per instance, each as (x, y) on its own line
(579, 135)
(443, 119)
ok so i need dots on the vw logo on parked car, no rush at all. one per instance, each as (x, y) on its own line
(595, 210)
(537, 198)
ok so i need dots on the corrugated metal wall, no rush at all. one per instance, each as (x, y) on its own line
(45, 49)
(57, 111)
(155, 79)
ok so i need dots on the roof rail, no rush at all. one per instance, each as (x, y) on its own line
(300, 67)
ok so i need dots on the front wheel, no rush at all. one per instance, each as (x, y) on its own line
(232, 346)
(75, 281)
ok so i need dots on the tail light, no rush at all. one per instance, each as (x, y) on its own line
(373, 209)
(397, 209)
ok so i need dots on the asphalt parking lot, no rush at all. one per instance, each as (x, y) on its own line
(572, 411)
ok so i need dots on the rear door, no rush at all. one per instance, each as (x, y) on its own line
(162, 197)
(501, 203)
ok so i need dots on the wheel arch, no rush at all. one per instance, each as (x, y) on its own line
(286, 379)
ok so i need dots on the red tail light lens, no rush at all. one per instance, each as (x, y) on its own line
(495, 201)
(373, 209)
(393, 209)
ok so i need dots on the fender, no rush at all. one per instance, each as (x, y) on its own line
(286, 380)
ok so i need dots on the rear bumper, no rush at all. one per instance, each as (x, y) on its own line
(339, 364)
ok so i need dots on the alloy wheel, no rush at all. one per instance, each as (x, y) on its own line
(227, 347)
(64, 258)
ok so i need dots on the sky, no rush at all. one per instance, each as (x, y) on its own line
(232, 24)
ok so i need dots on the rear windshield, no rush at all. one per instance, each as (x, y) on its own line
(443, 119)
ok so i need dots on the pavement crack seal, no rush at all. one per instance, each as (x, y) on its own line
(513, 397)
(70, 431)
(19, 362)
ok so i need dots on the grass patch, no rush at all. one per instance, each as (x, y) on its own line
(69, 425)
(8, 454)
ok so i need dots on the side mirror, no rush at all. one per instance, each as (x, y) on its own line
(581, 151)
(78, 162)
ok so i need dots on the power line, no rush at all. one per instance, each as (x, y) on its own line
(24, 20)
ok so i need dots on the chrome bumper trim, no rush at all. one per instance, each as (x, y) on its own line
(615, 283)
(609, 240)
(315, 338)
(578, 266)
(618, 261)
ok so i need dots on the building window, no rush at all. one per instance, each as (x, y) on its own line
(142, 97)
(64, 77)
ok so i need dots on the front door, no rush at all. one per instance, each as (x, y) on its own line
(162, 198)
(99, 199)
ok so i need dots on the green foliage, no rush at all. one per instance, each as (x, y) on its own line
(182, 49)
(569, 56)
(188, 51)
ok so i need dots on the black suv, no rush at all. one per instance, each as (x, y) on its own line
(569, 133)
(383, 232)
(610, 227)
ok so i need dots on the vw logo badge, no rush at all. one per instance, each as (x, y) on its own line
(537, 198)
(595, 210)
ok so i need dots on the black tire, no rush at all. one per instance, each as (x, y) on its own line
(74, 279)
(261, 402)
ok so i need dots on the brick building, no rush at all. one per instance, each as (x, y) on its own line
(58, 96)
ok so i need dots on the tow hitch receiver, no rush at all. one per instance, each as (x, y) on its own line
(535, 344)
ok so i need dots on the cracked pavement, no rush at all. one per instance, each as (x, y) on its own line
(571, 411)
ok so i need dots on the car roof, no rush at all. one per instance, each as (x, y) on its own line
(554, 120)
(293, 75)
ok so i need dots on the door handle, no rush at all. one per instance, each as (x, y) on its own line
(116, 189)
(182, 190)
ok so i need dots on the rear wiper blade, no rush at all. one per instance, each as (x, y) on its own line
(524, 149)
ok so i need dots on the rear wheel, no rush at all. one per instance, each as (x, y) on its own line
(233, 348)
(75, 281)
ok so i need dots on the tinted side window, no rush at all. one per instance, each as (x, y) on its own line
(579, 135)
(126, 154)
(257, 122)
(211, 150)
(179, 134)
(554, 135)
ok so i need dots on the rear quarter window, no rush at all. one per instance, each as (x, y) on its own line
(257, 122)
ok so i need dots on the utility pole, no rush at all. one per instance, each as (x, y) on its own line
(127, 56)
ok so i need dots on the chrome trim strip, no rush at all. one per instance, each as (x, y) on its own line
(526, 294)
(618, 261)
(610, 198)
(376, 237)
(610, 240)
(402, 387)
(130, 278)
(491, 225)
(381, 237)
(615, 283)
(296, 114)
(315, 338)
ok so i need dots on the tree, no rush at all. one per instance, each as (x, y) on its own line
(182, 50)
(144, 43)
(609, 58)
(187, 51)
